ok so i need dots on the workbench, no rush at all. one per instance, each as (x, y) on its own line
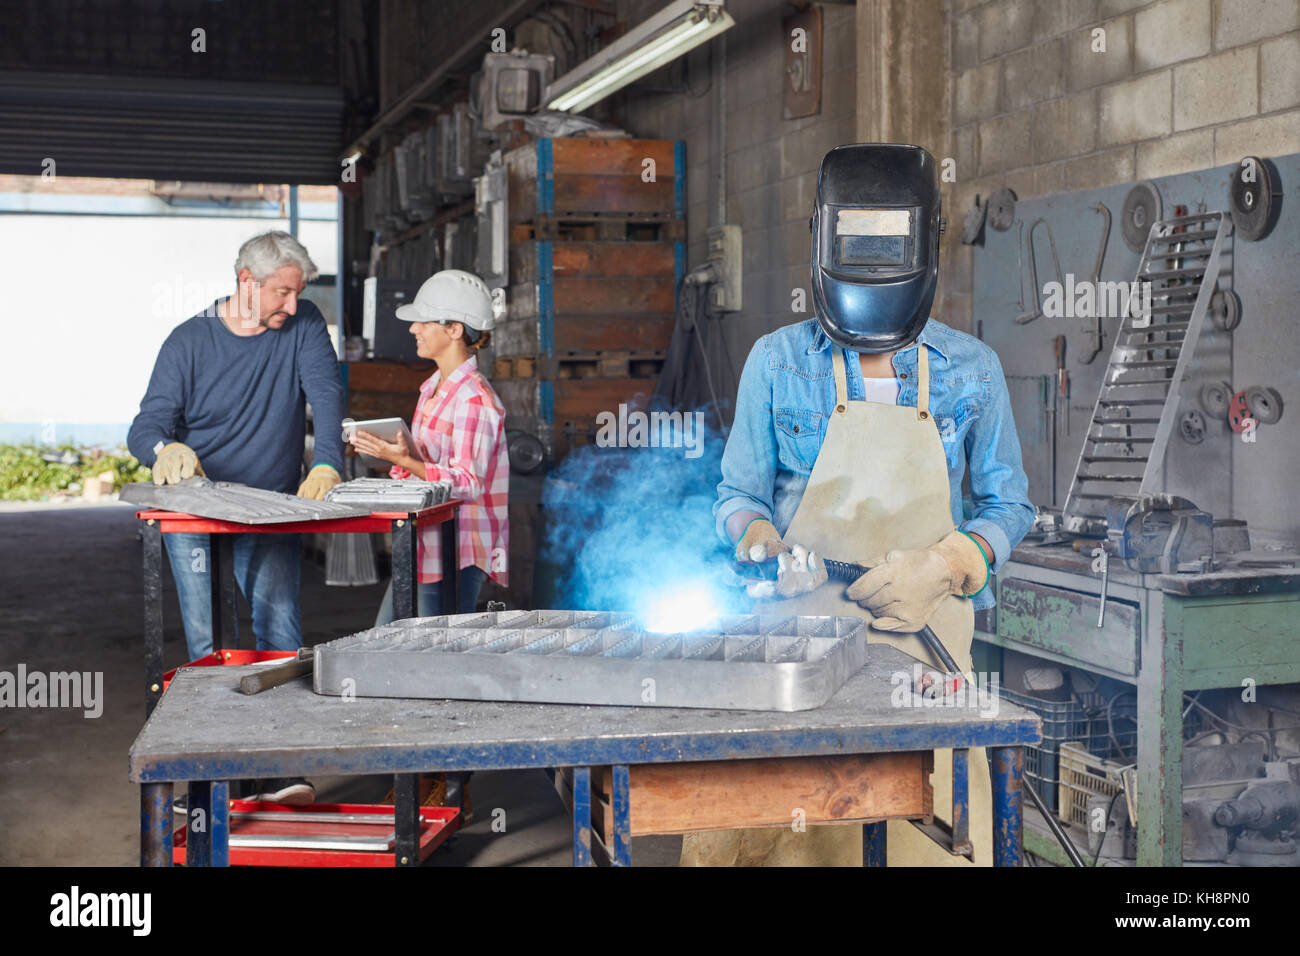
(404, 525)
(1166, 634)
(206, 732)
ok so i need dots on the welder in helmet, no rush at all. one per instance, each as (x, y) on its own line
(852, 435)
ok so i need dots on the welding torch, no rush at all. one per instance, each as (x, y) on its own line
(846, 572)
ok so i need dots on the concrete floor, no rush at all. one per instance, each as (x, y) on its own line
(71, 600)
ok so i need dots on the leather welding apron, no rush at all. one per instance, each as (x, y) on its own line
(880, 483)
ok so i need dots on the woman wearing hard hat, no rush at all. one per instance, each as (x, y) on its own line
(459, 428)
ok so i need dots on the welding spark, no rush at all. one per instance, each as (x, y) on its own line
(689, 608)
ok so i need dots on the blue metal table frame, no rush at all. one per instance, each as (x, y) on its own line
(340, 736)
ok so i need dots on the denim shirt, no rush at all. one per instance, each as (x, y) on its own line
(785, 399)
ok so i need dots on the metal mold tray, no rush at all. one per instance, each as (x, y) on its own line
(390, 494)
(740, 662)
(231, 501)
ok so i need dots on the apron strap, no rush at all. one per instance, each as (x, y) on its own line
(841, 382)
(922, 382)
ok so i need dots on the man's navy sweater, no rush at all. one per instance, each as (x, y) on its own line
(237, 401)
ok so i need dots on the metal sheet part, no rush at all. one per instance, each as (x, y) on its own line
(231, 501)
(390, 494)
(740, 662)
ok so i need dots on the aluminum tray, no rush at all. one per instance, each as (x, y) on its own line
(231, 501)
(740, 662)
(390, 494)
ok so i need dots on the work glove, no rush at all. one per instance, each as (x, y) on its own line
(319, 480)
(798, 572)
(905, 589)
(175, 463)
(759, 543)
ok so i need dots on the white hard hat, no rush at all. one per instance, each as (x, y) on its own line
(451, 295)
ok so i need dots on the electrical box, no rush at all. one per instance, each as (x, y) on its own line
(490, 197)
(724, 254)
(386, 335)
(512, 85)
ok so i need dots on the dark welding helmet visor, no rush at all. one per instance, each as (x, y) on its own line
(875, 245)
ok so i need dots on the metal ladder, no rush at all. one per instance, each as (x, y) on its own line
(1123, 451)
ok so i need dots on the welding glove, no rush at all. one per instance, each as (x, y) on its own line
(175, 462)
(760, 542)
(319, 480)
(798, 572)
(905, 589)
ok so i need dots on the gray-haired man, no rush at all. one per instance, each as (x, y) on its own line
(227, 400)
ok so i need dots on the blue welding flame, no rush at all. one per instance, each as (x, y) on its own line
(632, 529)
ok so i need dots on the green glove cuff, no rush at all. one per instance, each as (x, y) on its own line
(988, 571)
(326, 465)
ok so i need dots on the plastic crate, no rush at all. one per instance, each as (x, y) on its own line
(1085, 775)
(1063, 721)
(1083, 720)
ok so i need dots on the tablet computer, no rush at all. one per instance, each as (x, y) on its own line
(386, 428)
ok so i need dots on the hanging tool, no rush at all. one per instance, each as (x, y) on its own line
(1062, 381)
(1026, 317)
(1020, 266)
(1095, 336)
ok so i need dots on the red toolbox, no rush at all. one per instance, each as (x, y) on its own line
(322, 834)
(270, 834)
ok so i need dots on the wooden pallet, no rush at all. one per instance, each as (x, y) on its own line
(524, 338)
(608, 364)
(385, 389)
(582, 259)
(579, 176)
(607, 228)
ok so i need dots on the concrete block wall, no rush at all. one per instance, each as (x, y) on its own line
(771, 162)
(1182, 85)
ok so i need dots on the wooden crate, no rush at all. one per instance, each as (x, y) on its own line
(383, 389)
(554, 410)
(608, 364)
(573, 177)
(534, 260)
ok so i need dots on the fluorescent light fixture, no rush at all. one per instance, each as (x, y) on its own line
(679, 27)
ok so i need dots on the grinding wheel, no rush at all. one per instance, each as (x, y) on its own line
(1225, 309)
(972, 225)
(1215, 398)
(1265, 404)
(1191, 426)
(1255, 197)
(1002, 209)
(1142, 207)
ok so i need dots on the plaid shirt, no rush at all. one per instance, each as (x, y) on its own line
(461, 439)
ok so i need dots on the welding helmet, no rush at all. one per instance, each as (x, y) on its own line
(875, 244)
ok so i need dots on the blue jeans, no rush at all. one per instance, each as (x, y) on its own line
(267, 568)
(428, 597)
